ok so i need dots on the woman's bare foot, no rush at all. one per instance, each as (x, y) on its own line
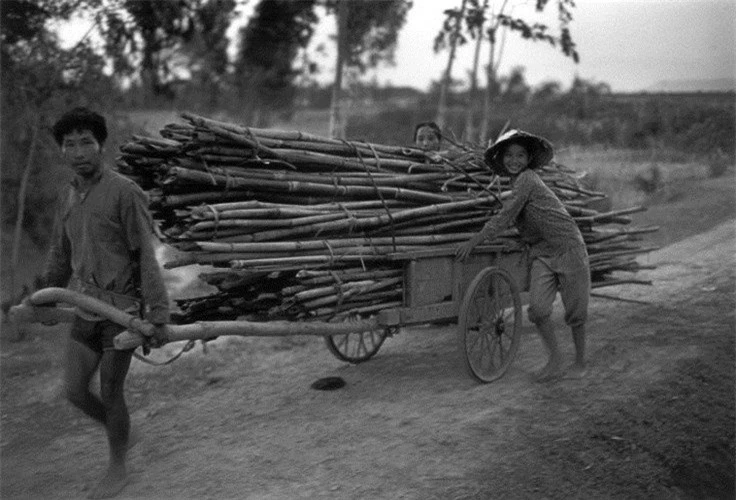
(112, 483)
(577, 370)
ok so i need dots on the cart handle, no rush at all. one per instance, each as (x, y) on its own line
(39, 310)
(201, 330)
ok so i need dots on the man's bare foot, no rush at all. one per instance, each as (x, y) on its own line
(577, 370)
(551, 371)
(111, 484)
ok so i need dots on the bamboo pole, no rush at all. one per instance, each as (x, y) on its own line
(595, 258)
(353, 225)
(330, 314)
(267, 223)
(293, 135)
(208, 213)
(341, 289)
(241, 183)
(184, 199)
(609, 216)
(327, 245)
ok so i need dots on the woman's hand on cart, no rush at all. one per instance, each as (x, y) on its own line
(463, 251)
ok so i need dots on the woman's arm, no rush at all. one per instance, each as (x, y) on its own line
(503, 219)
(511, 209)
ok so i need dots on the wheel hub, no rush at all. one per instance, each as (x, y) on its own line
(500, 326)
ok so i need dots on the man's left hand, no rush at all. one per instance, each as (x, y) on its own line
(159, 337)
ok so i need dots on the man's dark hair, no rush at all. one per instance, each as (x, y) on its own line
(435, 128)
(79, 119)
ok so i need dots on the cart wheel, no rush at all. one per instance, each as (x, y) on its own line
(356, 347)
(489, 326)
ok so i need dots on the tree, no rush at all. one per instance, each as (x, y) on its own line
(270, 43)
(584, 96)
(147, 41)
(281, 29)
(207, 51)
(337, 119)
(515, 88)
(21, 20)
(534, 32)
(367, 35)
(142, 36)
(38, 77)
(548, 92)
(492, 21)
(451, 34)
(476, 19)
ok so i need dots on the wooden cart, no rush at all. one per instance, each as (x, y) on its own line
(483, 294)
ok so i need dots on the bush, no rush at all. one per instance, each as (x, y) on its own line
(718, 163)
(651, 182)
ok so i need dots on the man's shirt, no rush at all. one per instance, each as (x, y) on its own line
(102, 246)
(540, 217)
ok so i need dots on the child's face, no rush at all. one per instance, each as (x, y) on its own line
(515, 159)
(427, 139)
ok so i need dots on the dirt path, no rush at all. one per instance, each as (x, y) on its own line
(241, 421)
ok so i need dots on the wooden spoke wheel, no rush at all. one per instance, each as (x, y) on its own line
(356, 347)
(489, 325)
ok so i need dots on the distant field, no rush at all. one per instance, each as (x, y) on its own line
(681, 198)
(630, 177)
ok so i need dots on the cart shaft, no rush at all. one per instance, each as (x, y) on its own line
(138, 328)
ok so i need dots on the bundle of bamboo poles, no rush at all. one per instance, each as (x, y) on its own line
(306, 225)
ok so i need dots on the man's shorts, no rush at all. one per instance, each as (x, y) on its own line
(97, 335)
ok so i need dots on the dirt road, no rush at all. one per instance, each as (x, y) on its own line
(652, 418)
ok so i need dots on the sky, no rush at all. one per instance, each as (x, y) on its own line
(632, 45)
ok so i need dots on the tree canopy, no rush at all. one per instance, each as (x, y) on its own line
(373, 28)
(142, 37)
(269, 44)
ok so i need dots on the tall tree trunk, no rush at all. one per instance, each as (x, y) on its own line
(18, 231)
(490, 86)
(444, 88)
(337, 119)
(470, 134)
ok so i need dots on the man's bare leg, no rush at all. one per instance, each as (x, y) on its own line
(553, 368)
(80, 365)
(113, 370)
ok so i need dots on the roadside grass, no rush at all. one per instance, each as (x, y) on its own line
(633, 177)
(681, 195)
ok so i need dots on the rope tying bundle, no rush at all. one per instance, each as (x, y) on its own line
(375, 187)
